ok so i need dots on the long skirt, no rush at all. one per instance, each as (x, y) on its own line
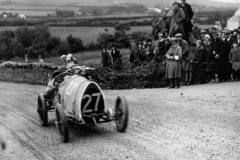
(173, 69)
(187, 66)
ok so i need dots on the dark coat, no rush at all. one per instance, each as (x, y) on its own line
(166, 22)
(196, 33)
(188, 17)
(227, 48)
(159, 51)
(178, 18)
(199, 54)
(116, 55)
(218, 47)
(185, 50)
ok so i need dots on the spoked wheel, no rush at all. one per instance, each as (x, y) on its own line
(42, 110)
(121, 113)
(61, 123)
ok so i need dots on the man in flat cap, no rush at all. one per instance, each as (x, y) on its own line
(186, 58)
(166, 22)
(188, 17)
(178, 18)
(173, 67)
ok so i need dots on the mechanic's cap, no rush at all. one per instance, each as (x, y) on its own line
(227, 33)
(203, 31)
(130, 37)
(160, 35)
(173, 39)
(207, 36)
(178, 35)
(166, 9)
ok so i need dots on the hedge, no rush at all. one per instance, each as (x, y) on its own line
(147, 76)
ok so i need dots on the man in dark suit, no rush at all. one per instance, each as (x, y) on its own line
(225, 65)
(188, 17)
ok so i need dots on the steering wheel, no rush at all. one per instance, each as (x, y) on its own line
(59, 78)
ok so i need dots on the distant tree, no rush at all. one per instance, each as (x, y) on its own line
(64, 13)
(97, 12)
(75, 44)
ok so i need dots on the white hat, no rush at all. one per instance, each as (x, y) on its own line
(207, 36)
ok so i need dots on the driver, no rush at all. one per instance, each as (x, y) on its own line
(69, 61)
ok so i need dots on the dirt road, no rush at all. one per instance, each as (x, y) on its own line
(193, 123)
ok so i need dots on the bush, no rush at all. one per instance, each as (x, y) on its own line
(75, 44)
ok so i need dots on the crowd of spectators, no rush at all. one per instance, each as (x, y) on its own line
(189, 53)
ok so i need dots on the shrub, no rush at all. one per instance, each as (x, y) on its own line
(75, 44)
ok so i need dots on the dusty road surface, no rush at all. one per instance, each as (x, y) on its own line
(193, 123)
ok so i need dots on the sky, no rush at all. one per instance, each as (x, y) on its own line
(228, 1)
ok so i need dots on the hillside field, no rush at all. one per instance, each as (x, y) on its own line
(88, 34)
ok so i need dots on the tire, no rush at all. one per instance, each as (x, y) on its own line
(42, 110)
(61, 123)
(121, 114)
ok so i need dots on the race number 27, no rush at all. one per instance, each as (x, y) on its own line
(90, 98)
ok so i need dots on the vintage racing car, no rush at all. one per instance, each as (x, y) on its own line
(79, 101)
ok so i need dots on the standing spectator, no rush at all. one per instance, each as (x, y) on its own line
(234, 58)
(159, 51)
(166, 22)
(198, 62)
(224, 59)
(116, 57)
(238, 38)
(133, 52)
(149, 51)
(188, 17)
(217, 52)
(27, 60)
(40, 60)
(209, 58)
(141, 52)
(106, 57)
(156, 26)
(186, 58)
(202, 34)
(178, 18)
(234, 34)
(196, 31)
(173, 68)
(144, 43)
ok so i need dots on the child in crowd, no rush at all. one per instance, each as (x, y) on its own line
(234, 58)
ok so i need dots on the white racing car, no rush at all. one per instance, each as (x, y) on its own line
(79, 101)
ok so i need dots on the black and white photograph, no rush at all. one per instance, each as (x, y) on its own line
(119, 79)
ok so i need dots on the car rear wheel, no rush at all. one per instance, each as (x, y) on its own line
(42, 110)
(121, 113)
(61, 123)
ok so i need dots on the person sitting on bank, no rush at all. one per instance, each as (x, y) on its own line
(27, 60)
(40, 59)
(116, 57)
